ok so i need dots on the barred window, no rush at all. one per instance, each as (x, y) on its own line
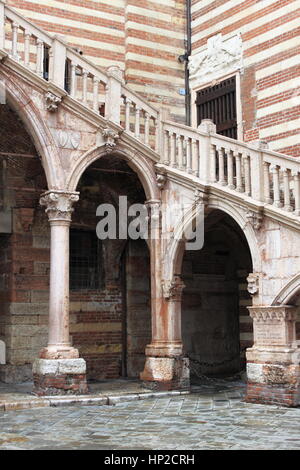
(219, 104)
(85, 260)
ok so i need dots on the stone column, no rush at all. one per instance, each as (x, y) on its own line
(273, 362)
(59, 369)
(165, 366)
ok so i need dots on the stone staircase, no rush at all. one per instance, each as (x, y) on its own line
(259, 178)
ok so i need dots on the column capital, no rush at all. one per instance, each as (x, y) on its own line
(59, 205)
(277, 313)
(172, 290)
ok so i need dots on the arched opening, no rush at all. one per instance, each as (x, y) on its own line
(24, 250)
(216, 326)
(110, 321)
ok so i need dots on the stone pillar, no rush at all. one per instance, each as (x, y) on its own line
(273, 362)
(59, 370)
(165, 367)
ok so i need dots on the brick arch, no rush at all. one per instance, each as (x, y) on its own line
(35, 125)
(137, 162)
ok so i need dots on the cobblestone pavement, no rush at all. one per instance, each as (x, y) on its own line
(212, 418)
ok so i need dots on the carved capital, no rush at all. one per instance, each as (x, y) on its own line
(277, 314)
(59, 205)
(172, 290)
(111, 138)
(255, 219)
(253, 283)
(52, 101)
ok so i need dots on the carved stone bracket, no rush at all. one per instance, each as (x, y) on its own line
(172, 290)
(59, 204)
(52, 101)
(255, 219)
(111, 138)
(200, 198)
(253, 283)
(161, 180)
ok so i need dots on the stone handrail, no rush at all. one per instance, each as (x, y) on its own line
(249, 171)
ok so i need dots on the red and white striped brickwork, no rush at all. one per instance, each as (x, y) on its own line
(143, 37)
(270, 93)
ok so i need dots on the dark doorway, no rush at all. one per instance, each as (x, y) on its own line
(218, 103)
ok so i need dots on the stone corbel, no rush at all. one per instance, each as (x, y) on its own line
(253, 281)
(200, 198)
(59, 204)
(172, 289)
(52, 101)
(161, 180)
(111, 138)
(255, 219)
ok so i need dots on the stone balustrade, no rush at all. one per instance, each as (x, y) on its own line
(247, 170)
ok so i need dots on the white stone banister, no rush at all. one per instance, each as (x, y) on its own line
(140, 118)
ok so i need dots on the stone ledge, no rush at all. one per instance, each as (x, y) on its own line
(84, 400)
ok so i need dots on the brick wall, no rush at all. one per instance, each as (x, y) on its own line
(270, 80)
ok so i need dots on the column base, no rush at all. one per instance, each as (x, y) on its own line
(59, 352)
(166, 373)
(273, 384)
(59, 377)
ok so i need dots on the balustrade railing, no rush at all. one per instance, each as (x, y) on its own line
(247, 170)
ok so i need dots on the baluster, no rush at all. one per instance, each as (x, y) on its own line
(188, 154)
(221, 153)
(137, 122)
(286, 190)
(147, 128)
(195, 157)
(27, 37)
(296, 177)
(166, 148)
(276, 188)
(213, 167)
(180, 151)
(230, 181)
(39, 57)
(73, 89)
(128, 103)
(239, 181)
(85, 74)
(173, 150)
(267, 192)
(157, 132)
(96, 94)
(14, 45)
(246, 160)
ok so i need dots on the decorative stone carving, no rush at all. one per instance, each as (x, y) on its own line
(161, 181)
(59, 204)
(172, 290)
(52, 101)
(255, 219)
(253, 283)
(277, 313)
(200, 198)
(67, 139)
(111, 137)
(219, 58)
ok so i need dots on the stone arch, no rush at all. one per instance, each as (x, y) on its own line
(289, 292)
(138, 163)
(177, 246)
(35, 125)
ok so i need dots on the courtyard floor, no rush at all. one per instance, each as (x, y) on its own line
(212, 417)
